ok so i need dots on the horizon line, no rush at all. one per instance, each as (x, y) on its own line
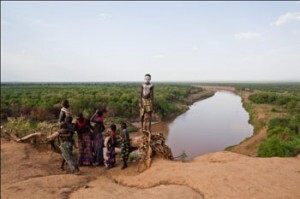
(79, 82)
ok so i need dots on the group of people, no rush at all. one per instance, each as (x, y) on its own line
(90, 137)
(90, 140)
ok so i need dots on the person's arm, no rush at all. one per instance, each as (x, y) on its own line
(89, 124)
(78, 131)
(127, 135)
(152, 94)
(64, 132)
(141, 96)
(112, 140)
(102, 127)
(93, 118)
(62, 116)
(96, 120)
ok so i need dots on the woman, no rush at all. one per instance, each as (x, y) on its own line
(98, 119)
(83, 129)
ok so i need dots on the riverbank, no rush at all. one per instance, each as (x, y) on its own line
(260, 114)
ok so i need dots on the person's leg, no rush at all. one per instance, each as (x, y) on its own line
(123, 152)
(149, 121)
(100, 152)
(146, 122)
(108, 155)
(66, 149)
(53, 148)
(113, 157)
(142, 123)
(80, 152)
(95, 147)
(90, 151)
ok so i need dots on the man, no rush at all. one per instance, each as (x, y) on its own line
(66, 133)
(146, 103)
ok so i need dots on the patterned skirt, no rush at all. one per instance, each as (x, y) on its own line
(85, 149)
(147, 107)
(111, 157)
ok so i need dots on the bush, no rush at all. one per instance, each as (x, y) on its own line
(21, 126)
(283, 138)
(278, 122)
(287, 100)
(295, 123)
(273, 146)
(41, 114)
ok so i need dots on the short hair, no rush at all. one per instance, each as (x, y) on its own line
(123, 125)
(148, 75)
(64, 102)
(113, 127)
(100, 113)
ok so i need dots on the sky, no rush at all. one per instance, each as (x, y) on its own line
(173, 41)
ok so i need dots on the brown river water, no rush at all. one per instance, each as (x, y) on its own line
(209, 125)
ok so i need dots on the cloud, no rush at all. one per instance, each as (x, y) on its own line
(287, 17)
(247, 35)
(105, 15)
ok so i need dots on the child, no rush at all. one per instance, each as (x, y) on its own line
(125, 145)
(146, 103)
(111, 155)
(64, 112)
(66, 133)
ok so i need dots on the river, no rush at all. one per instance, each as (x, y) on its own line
(209, 125)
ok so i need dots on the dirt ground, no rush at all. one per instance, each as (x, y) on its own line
(30, 172)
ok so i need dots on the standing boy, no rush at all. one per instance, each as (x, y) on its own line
(146, 103)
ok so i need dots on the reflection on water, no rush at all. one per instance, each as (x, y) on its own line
(209, 125)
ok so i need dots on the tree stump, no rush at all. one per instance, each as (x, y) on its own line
(152, 143)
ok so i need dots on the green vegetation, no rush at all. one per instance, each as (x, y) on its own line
(23, 126)
(27, 108)
(283, 134)
(286, 100)
(41, 102)
(278, 87)
(283, 138)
